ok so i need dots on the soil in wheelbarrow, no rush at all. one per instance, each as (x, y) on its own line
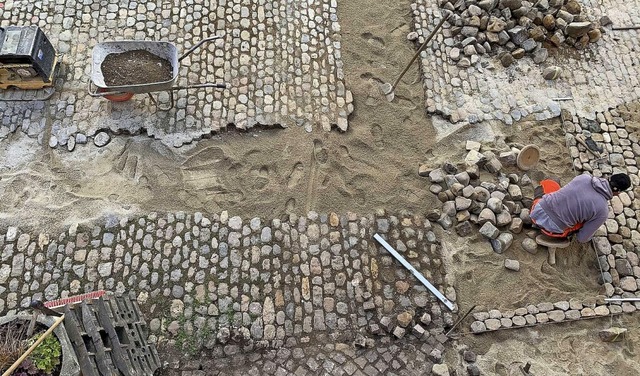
(135, 67)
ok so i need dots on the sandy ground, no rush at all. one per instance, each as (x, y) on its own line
(271, 172)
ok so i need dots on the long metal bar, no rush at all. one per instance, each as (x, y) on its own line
(193, 48)
(460, 320)
(626, 28)
(422, 47)
(415, 273)
(622, 299)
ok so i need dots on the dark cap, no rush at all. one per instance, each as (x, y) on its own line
(619, 182)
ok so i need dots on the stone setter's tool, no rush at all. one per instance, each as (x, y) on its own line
(388, 89)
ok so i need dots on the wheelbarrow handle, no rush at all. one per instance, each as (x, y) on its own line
(200, 86)
(193, 48)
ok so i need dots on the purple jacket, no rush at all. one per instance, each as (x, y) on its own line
(584, 200)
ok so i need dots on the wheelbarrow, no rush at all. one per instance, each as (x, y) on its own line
(165, 50)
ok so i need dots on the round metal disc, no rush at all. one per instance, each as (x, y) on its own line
(528, 157)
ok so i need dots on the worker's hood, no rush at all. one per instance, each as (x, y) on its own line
(602, 186)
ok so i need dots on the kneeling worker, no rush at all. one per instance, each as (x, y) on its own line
(581, 205)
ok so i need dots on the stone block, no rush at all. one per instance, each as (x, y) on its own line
(628, 284)
(418, 331)
(502, 242)
(469, 356)
(480, 316)
(545, 307)
(489, 230)
(492, 324)
(440, 370)
(562, 305)
(572, 314)
(531, 319)
(512, 265)
(473, 145)
(614, 334)
(437, 175)
(478, 327)
(556, 315)
(530, 245)
(542, 317)
(587, 312)
(493, 165)
(404, 318)
(601, 310)
(399, 332)
(602, 245)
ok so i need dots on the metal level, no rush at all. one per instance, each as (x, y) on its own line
(415, 273)
(622, 300)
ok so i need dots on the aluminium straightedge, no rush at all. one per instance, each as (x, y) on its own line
(416, 273)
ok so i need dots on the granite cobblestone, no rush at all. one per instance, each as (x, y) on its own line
(311, 278)
(281, 60)
(479, 88)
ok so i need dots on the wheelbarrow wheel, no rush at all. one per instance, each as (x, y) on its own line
(122, 97)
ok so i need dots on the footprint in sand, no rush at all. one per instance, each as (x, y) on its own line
(260, 183)
(373, 40)
(263, 178)
(290, 206)
(405, 103)
(360, 197)
(296, 175)
(319, 152)
(127, 165)
(376, 132)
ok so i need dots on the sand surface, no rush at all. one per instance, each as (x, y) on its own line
(271, 172)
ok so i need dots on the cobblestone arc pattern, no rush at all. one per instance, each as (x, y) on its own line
(281, 61)
(602, 76)
(402, 357)
(240, 283)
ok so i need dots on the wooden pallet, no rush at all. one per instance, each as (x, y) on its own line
(109, 336)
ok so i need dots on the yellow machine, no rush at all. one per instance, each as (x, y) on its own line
(27, 58)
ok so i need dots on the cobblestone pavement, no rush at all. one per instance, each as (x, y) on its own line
(228, 285)
(389, 357)
(601, 76)
(280, 59)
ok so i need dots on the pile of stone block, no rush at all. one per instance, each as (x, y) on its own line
(515, 28)
(499, 208)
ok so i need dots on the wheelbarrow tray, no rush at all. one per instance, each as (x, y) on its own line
(165, 50)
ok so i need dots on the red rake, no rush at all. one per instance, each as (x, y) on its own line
(74, 299)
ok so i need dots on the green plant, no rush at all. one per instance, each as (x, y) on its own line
(47, 355)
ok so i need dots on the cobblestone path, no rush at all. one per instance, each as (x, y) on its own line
(281, 61)
(601, 76)
(230, 285)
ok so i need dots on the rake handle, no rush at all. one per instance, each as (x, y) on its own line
(424, 45)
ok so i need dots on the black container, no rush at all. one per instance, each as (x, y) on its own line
(27, 45)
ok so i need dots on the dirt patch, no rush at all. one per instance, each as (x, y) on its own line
(135, 67)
